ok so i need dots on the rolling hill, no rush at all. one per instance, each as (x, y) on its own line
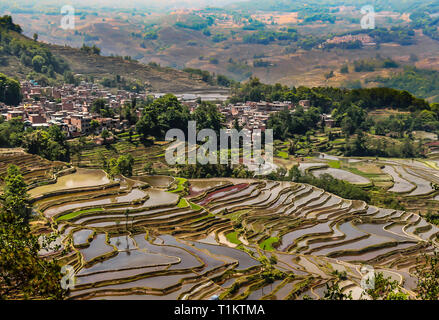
(283, 44)
(22, 57)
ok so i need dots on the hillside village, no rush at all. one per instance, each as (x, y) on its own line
(70, 107)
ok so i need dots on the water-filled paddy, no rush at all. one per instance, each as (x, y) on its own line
(157, 181)
(132, 259)
(198, 186)
(185, 238)
(378, 229)
(328, 157)
(123, 242)
(285, 290)
(400, 184)
(221, 193)
(134, 194)
(267, 289)
(158, 282)
(341, 174)
(85, 277)
(423, 186)
(209, 261)
(245, 261)
(187, 260)
(375, 253)
(80, 237)
(304, 166)
(289, 238)
(159, 198)
(98, 247)
(81, 178)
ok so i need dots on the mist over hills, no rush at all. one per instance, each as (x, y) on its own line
(268, 5)
(292, 5)
(165, 5)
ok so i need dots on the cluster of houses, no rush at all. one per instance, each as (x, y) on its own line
(365, 39)
(69, 107)
(254, 115)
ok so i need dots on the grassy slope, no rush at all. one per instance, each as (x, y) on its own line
(161, 79)
(157, 78)
(172, 48)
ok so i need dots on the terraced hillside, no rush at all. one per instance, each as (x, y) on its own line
(91, 156)
(153, 78)
(410, 182)
(35, 169)
(169, 238)
(157, 79)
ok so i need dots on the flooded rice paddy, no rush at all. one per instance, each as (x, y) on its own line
(143, 242)
(81, 178)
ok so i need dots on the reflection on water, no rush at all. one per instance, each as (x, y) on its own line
(342, 174)
(81, 178)
(156, 181)
(327, 157)
(197, 186)
(97, 248)
(159, 197)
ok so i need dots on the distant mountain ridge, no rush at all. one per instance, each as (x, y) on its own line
(22, 57)
(21, 6)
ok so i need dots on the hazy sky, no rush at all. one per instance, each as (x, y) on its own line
(119, 3)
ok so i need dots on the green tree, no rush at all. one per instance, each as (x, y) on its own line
(334, 292)
(94, 125)
(100, 106)
(23, 274)
(385, 289)
(111, 168)
(69, 77)
(15, 194)
(294, 174)
(292, 148)
(6, 22)
(128, 113)
(105, 135)
(208, 116)
(125, 165)
(428, 278)
(408, 150)
(75, 150)
(236, 125)
(161, 115)
(41, 142)
(48, 144)
(9, 90)
(57, 135)
(38, 62)
(148, 168)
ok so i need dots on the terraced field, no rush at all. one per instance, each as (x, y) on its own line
(410, 181)
(91, 156)
(35, 169)
(167, 238)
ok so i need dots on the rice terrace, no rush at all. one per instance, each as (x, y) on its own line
(118, 181)
(162, 237)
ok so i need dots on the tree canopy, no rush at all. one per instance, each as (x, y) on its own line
(23, 274)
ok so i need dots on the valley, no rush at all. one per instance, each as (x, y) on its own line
(275, 46)
(99, 124)
(161, 237)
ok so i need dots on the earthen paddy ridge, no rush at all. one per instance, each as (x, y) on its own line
(162, 237)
